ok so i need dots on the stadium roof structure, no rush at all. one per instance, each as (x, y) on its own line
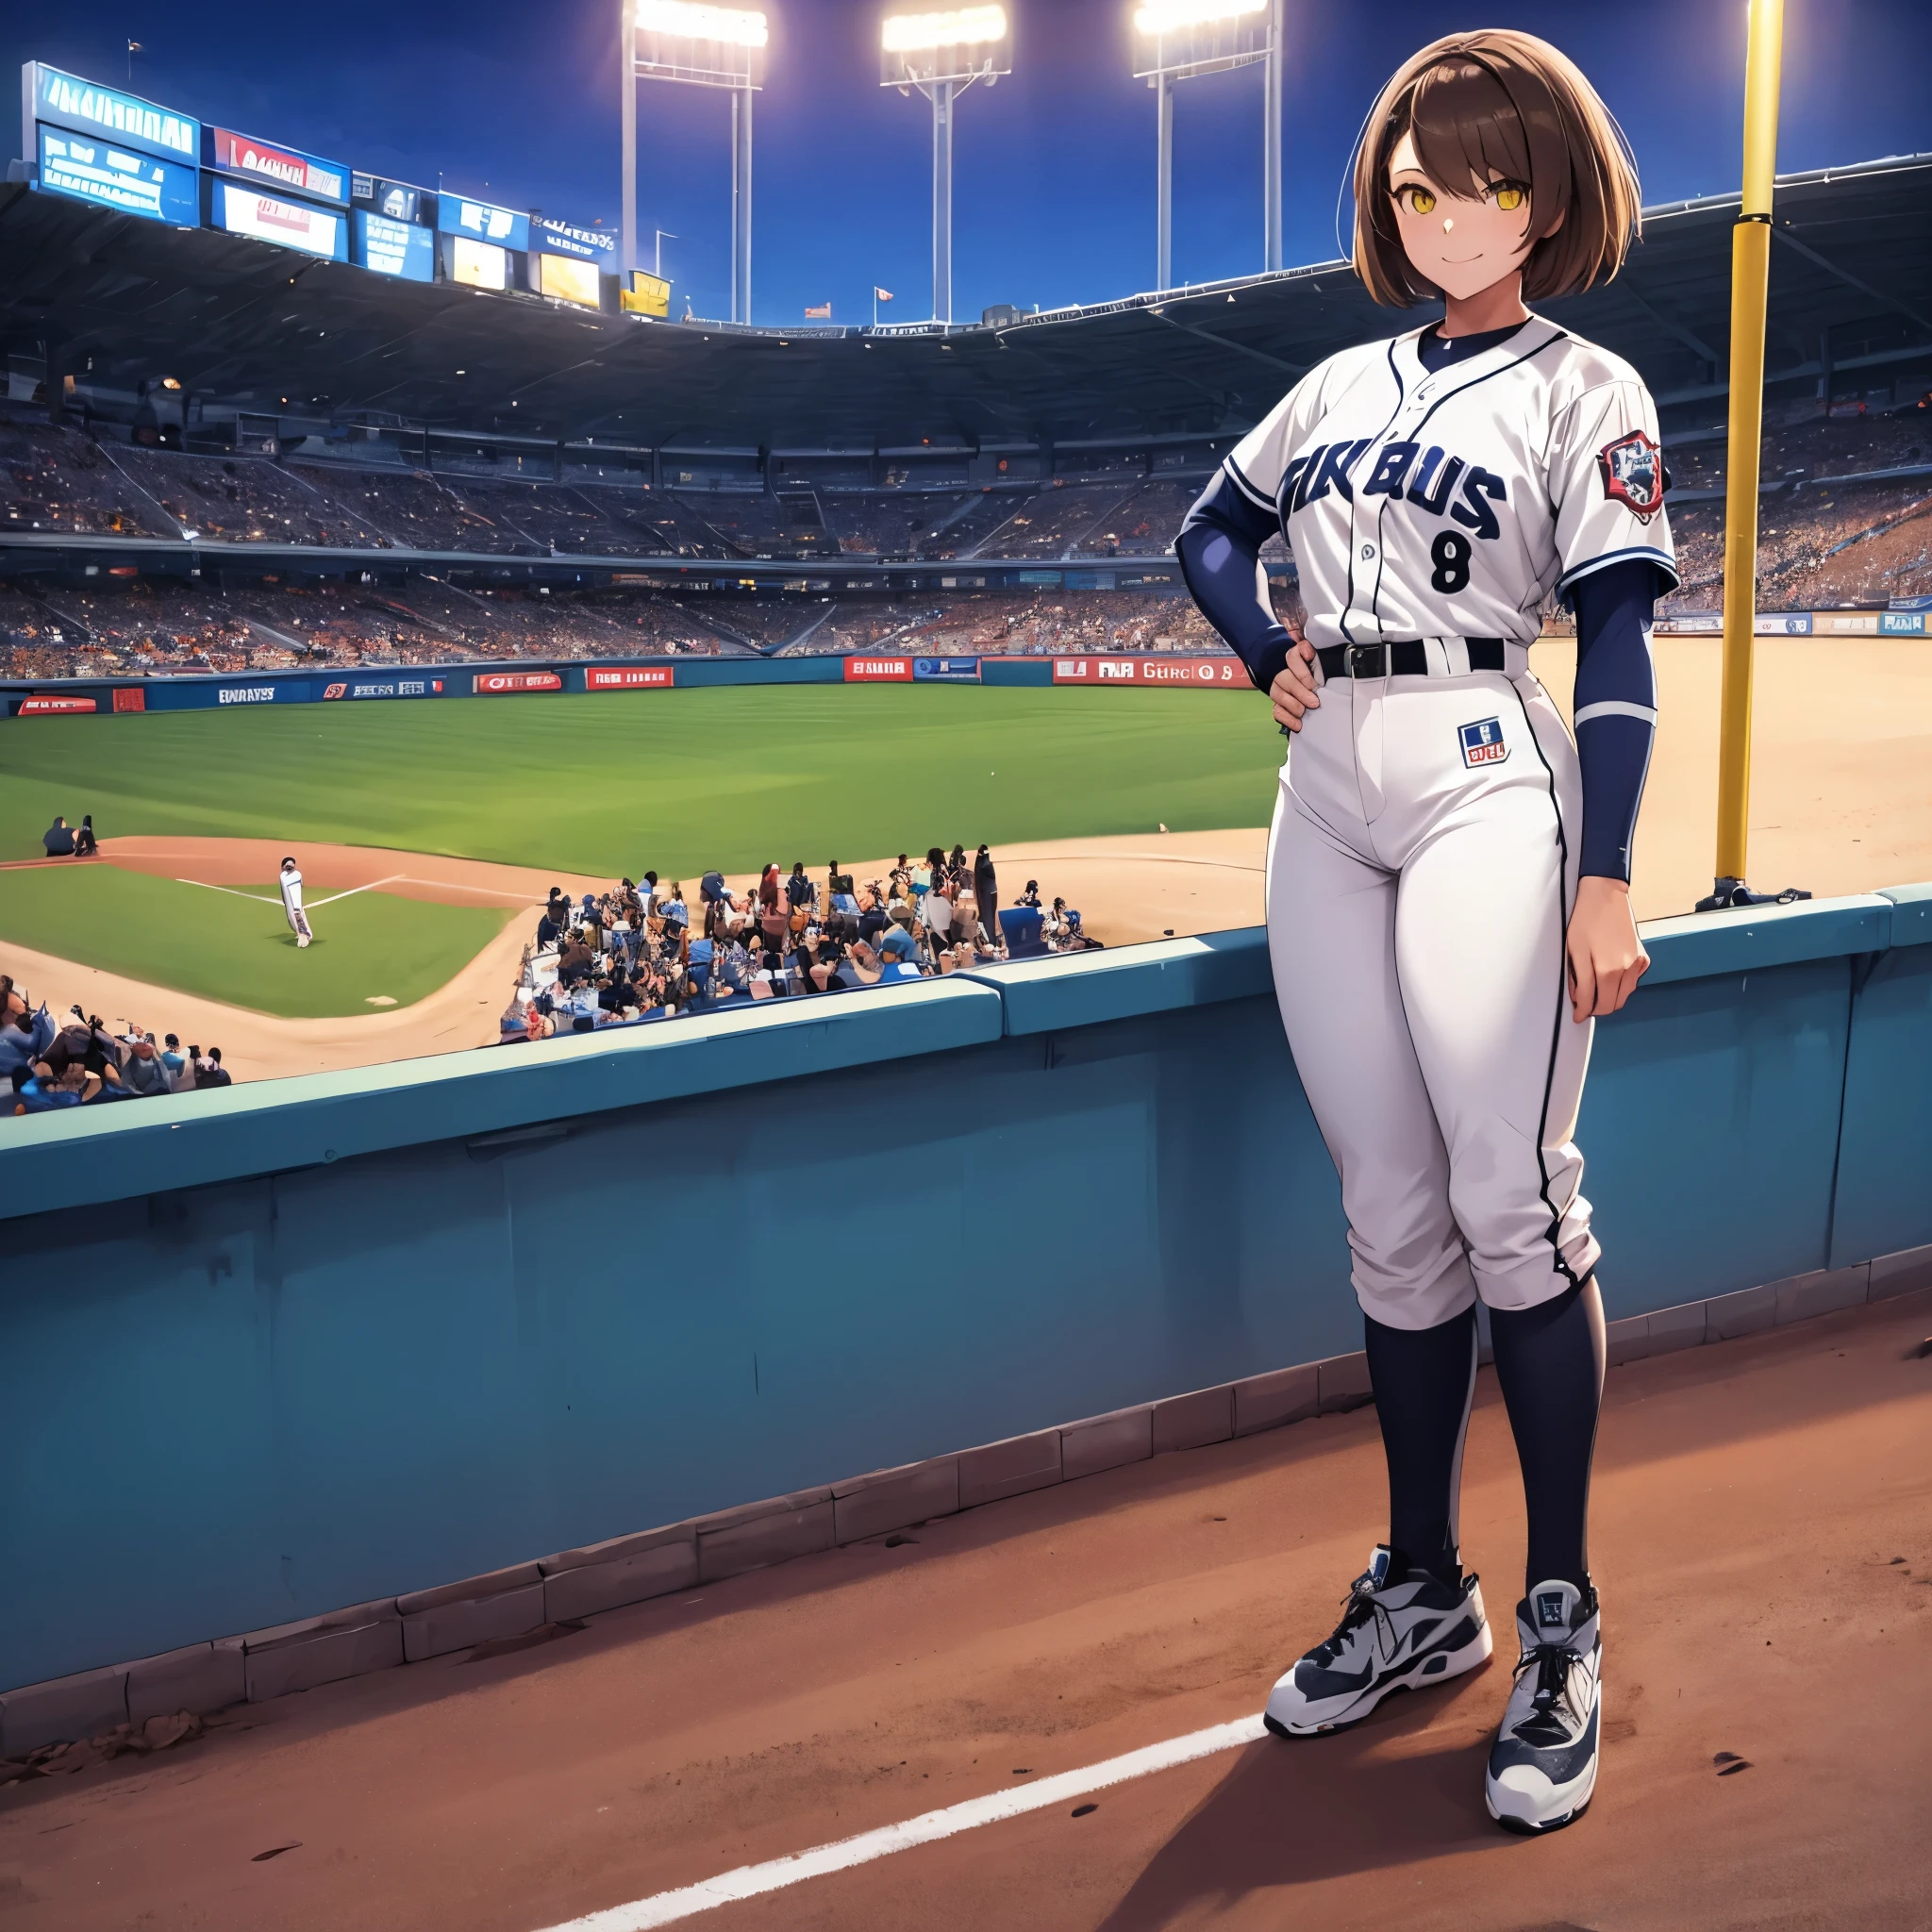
(242, 323)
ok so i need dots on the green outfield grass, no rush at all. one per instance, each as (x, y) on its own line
(240, 950)
(676, 781)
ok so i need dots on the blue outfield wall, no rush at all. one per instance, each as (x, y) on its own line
(271, 1350)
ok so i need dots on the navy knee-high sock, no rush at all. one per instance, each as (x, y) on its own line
(1422, 1379)
(1550, 1361)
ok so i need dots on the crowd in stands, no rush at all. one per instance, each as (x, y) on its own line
(647, 950)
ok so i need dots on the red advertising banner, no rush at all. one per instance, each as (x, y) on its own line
(488, 683)
(878, 671)
(129, 698)
(46, 707)
(629, 677)
(1177, 674)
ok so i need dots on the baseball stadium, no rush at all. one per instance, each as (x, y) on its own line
(715, 1186)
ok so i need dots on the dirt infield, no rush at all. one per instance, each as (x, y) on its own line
(1761, 1541)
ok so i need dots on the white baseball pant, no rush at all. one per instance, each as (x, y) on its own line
(1417, 902)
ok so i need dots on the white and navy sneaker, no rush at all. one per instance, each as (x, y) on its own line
(1542, 1766)
(1397, 1632)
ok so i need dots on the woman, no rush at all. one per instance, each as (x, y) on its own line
(1448, 882)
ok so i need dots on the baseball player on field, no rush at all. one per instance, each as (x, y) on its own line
(1448, 872)
(291, 902)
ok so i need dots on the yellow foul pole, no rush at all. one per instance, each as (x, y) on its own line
(1750, 275)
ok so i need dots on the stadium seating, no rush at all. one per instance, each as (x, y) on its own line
(58, 479)
(242, 499)
(414, 511)
(1049, 526)
(1142, 524)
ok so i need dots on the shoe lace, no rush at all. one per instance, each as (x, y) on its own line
(1550, 1703)
(1360, 1606)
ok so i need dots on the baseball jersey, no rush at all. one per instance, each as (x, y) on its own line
(1448, 503)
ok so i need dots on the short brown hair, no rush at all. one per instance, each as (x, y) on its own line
(1505, 103)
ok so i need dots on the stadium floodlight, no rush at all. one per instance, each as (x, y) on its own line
(942, 51)
(700, 45)
(1176, 40)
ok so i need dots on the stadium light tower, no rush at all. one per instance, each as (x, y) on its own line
(703, 46)
(941, 52)
(1175, 40)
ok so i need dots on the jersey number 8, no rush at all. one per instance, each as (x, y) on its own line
(1450, 553)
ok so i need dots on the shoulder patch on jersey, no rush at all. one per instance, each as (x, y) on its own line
(1483, 742)
(1634, 474)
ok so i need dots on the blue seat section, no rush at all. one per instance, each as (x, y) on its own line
(298, 1344)
(1884, 1197)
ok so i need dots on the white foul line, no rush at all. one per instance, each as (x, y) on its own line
(749, 1881)
(233, 892)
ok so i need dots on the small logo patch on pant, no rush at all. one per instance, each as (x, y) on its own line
(1482, 743)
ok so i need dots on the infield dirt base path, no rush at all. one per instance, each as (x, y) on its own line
(1760, 1536)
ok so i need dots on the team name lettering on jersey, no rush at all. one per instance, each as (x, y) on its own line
(1406, 471)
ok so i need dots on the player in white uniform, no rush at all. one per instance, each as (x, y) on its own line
(1448, 880)
(291, 902)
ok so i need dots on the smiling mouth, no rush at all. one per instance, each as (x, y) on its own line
(1459, 261)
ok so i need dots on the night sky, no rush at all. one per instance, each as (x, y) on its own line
(1053, 198)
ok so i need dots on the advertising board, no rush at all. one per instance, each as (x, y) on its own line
(48, 94)
(1902, 624)
(270, 217)
(395, 201)
(629, 677)
(584, 244)
(129, 698)
(501, 226)
(567, 279)
(1174, 673)
(476, 264)
(1857, 623)
(101, 171)
(648, 294)
(350, 688)
(281, 167)
(878, 670)
(39, 706)
(1784, 624)
(393, 248)
(488, 684)
(945, 670)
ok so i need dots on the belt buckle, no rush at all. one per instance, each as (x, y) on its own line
(1367, 661)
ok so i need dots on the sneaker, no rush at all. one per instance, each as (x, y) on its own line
(1542, 1766)
(1396, 1632)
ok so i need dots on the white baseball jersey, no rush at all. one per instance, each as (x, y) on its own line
(1447, 504)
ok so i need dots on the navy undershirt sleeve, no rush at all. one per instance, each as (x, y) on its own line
(1218, 549)
(1615, 709)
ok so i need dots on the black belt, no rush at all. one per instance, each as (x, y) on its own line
(1405, 657)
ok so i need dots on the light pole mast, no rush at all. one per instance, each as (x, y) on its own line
(702, 45)
(942, 53)
(1271, 143)
(1175, 40)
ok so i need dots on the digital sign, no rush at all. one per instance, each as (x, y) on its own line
(105, 173)
(286, 224)
(47, 94)
(476, 265)
(393, 248)
(395, 201)
(584, 244)
(300, 173)
(647, 295)
(878, 671)
(477, 219)
(40, 707)
(568, 279)
(1175, 673)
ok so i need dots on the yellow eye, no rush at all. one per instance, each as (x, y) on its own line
(1510, 198)
(1420, 202)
